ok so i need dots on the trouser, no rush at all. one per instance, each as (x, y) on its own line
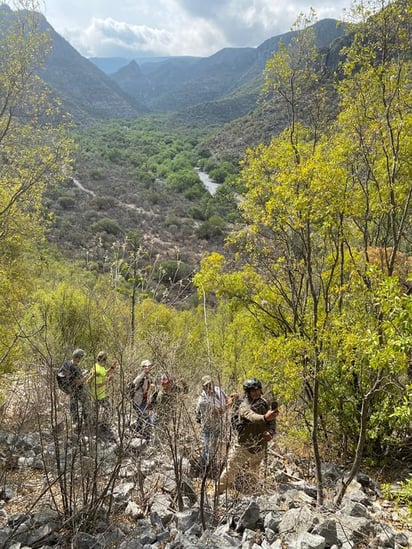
(211, 439)
(143, 424)
(239, 457)
(80, 407)
(103, 416)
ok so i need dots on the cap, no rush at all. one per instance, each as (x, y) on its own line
(78, 353)
(146, 363)
(206, 380)
(102, 355)
(164, 379)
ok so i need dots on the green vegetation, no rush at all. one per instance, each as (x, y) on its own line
(323, 256)
(309, 294)
(139, 176)
(33, 151)
(402, 495)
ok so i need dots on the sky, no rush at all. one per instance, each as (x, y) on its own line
(139, 28)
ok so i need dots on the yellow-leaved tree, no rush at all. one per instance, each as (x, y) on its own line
(327, 225)
(34, 150)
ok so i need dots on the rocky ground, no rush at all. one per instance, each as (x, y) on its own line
(61, 491)
(64, 491)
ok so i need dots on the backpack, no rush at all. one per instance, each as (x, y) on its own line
(131, 389)
(198, 416)
(63, 380)
(236, 422)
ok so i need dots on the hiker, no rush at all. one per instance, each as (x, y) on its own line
(211, 406)
(163, 404)
(74, 382)
(256, 426)
(165, 399)
(101, 377)
(140, 393)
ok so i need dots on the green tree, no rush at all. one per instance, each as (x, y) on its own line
(327, 216)
(34, 151)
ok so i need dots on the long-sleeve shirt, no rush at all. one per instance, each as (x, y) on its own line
(211, 407)
(253, 424)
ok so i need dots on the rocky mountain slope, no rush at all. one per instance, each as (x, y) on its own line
(222, 86)
(230, 75)
(85, 90)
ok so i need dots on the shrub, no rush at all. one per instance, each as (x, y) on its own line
(218, 174)
(106, 225)
(211, 228)
(196, 213)
(173, 271)
(96, 174)
(104, 202)
(66, 202)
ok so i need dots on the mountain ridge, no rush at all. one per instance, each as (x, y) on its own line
(176, 88)
(83, 88)
(215, 89)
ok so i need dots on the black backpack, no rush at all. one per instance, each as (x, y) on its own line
(198, 416)
(131, 388)
(63, 380)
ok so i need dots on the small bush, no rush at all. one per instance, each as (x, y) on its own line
(67, 202)
(211, 228)
(196, 213)
(402, 496)
(104, 202)
(106, 225)
(96, 174)
(173, 271)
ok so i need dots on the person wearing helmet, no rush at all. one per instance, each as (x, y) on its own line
(257, 426)
(101, 377)
(74, 380)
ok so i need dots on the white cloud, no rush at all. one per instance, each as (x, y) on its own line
(177, 27)
(108, 37)
(103, 36)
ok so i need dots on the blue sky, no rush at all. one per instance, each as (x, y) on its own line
(132, 28)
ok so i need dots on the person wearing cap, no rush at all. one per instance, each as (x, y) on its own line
(210, 408)
(163, 403)
(257, 427)
(76, 382)
(142, 385)
(101, 377)
(166, 399)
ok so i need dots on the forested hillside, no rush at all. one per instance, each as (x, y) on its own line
(296, 272)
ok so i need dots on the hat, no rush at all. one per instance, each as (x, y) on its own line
(206, 380)
(146, 363)
(102, 356)
(78, 353)
(164, 379)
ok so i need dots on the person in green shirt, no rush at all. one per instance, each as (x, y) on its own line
(98, 387)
